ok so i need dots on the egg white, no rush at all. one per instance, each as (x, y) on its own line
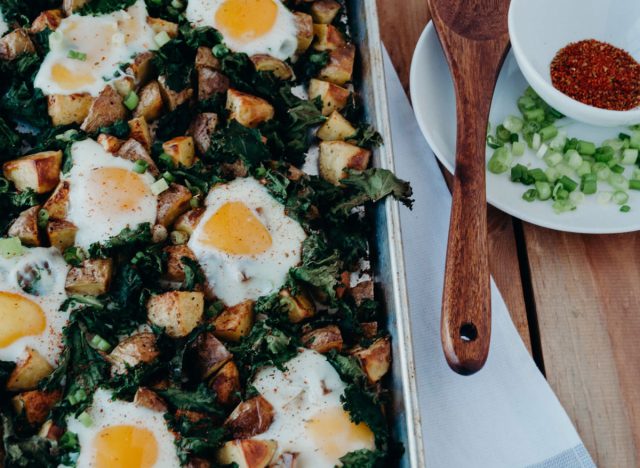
(108, 41)
(280, 42)
(105, 412)
(4, 27)
(309, 387)
(49, 294)
(237, 278)
(93, 223)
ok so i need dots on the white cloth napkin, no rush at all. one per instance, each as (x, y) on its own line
(506, 415)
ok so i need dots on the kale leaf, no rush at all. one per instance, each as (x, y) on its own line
(126, 240)
(199, 438)
(201, 399)
(10, 141)
(363, 459)
(31, 452)
(101, 7)
(364, 406)
(320, 267)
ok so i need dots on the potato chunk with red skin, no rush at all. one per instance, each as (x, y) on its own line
(324, 339)
(25, 227)
(39, 172)
(226, 384)
(337, 156)
(172, 203)
(376, 359)
(234, 322)
(35, 404)
(248, 110)
(209, 355)
(91, 278)
(249, 418)
(179, 312)
(247, 453)
(134, 350)
(58, 203)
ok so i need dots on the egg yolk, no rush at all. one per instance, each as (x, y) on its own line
(117, 190)
(125, 447)
(234, 229)
(68, 79)
(334, 431)
(245, 20)
(19, 317)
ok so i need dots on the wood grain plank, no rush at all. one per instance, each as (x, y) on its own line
(587, 301)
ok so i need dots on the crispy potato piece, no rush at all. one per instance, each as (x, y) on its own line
(304, 23)
(173, 98)
(158, 25)
(339, 70)
(140, 132)
(132, 351)
(201, 129)
(333, 97)
(124, 85)
(247, 453)
(181, 149)
(249, 418)
(188, 221)
(369, 329)
(234, 322)
(25, 227)
(336, 156)
(376, 359)
(335, 128)
(29, 371)
(133, 150)
(16, 43)
(210, 83)
(172, 203)
(47, 19)
(70, 6)
(324, 11)
(226, 384)
(147, 398)
(105, 110)
(301, 306)
(110, 143)
(35, 405)
(150, 102)
(234, 170)
(323, 339)
(267, 63)
(362, 291)
(39, 172)
(68, 109)
(61, 234)
(179, 312)
(285, 460)
(91, 278)
(248, 110)
(142, 68)
(328, 37)
(206, 59)
(175, 268)
(58, 203)
(51, 431)
(210, 355)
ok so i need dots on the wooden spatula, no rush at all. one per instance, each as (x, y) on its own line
(475, 39)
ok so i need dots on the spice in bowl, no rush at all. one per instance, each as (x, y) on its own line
(598, 74)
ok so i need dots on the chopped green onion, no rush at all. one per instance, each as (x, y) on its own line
(586, 148)
(634, 141)
(75, 55)
(576, 197)
(604, 197)
(500, 161)
(77, 397)
(589, 184)
(67, 136)
(573, 159)
(620, 197)
(583, 169)
(43, 219)
(85, 419)
(536, 141)
(11, 247)
(178, 237)
(625, 208)
(74, 256)
(100, 343)
(624, 136)
(513, 124)
(562, 206)
(569, 184)
(162, 38)
(530, 195)
(553, 159)
(634, 184)
(618, 182)
(542, 150)
(219, 50)
(503, 134)
(140, 166)
(552, 174)
(604, 154)
(629, 156)
(493, 142)
(518, 148)
(194, 202)
(617, 169)
(548, 132)
(169, 177)
(544, 190)
(131, 101)
(159, 186)
(534, 115)
(177, 4)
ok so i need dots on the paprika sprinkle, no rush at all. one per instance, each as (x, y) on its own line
(598, 74)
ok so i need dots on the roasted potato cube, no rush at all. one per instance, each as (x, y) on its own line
(248, 110)
(247, 453)
(336, 156)
(210, 355)
(206, 59)
(210, 83)
(323, 339)
(70, 6)
(324, 11)
(175, 268)
(249, 418)
(189, 220)
(362, 291)
(173, 98)
(234, 322)
(181, 150)
(158, 25)
(147, 398)
(105, 110)
(179, 312)
(61, 234)
(150, 102)
(124, 85)
(335, 128)
(16, 43)
(134, 350)
(39, 172)
(25, 227)
(133, 150)
(339, 70)
(201, 129)
(58, 202)
(110, 143)
(141, 68)
(35, 405)
(328, 37)
(369, 329)
(47, 19)
(333, 97)
(285, 460)
(51, 431)
(140, 132)
(304, 24)
(226, 384)
(68, 109)
(301, 306)
(267, 63)
(91, 278)
(172, 203)
(29, 371)
(376, 359)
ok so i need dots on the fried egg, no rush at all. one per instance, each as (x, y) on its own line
(249, 26)
(123, 435)
(244, 242)
(31, 293)
(86, 51)
(308, 415)
(106, 195)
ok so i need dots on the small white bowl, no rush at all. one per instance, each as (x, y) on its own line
(540, 28)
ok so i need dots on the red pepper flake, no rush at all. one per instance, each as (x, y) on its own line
(598, 74)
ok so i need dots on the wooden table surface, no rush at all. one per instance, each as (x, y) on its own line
(574, 298)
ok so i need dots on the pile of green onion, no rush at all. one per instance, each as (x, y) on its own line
(574, 168)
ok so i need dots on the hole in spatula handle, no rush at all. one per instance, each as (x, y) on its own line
(468, 332)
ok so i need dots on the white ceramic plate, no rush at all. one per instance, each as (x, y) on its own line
(434, 104)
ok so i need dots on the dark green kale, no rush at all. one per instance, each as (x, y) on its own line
(363, 459)
(30, 452)
(124, 386)
(236, 141)
(173, 124)
(6, 367)
(127, 240)
(20, 101)
(101, 7)
(366, 137)
(200, 438)
(24, 12)
(10, 141)
(309, 65)
(164, 9)
(193, 274)
(13, 202)
(202, 399)
(347, 366)
(365, 406)
(119, 129)
(320, 267)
